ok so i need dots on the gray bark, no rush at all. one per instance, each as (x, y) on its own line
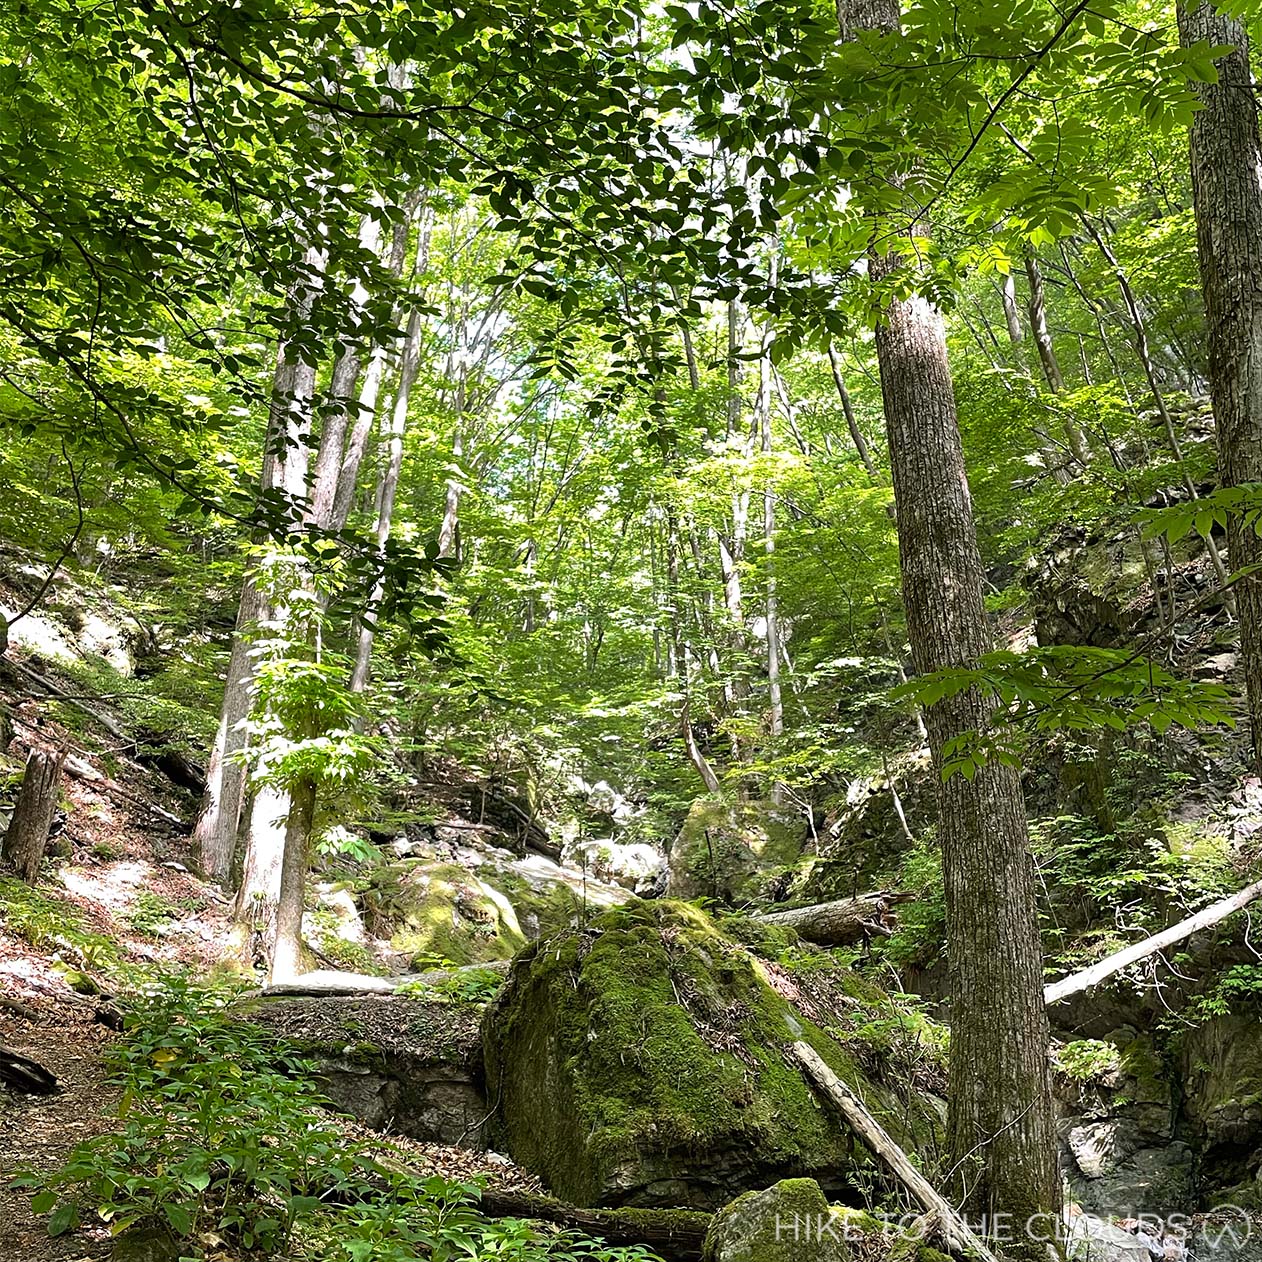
(1227, 188)
(1000, 1123)
(27, 834)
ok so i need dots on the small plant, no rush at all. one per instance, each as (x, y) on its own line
(1088, 1060)
(107, 851)
(473, 986)
(151, 914)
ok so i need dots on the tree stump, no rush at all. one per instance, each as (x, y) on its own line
(27, 834)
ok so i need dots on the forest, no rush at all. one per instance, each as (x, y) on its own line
(630, 631)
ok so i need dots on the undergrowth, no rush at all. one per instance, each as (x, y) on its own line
(224, 1142)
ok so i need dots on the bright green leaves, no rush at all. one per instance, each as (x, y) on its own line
(1063, 688)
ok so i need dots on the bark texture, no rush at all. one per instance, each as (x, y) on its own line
(27, 834)
(1227, 189)
(844, 920)
(1000, 1125)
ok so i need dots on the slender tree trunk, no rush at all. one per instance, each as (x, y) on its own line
(1011, 314)
(286, 961)
(847, 407)
(1227, 187)
(388, 487)
(217, 831)
(27, 834)
(1038, 324)
(1000, 1124)
(342, 396)
(775, 700)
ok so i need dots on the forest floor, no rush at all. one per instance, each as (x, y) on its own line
(37, 1133)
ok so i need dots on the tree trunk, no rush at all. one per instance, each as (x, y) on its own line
(1038, 324)
(1140, 328)
(1011, 315)
(1227, 188)
(388, 487)
(27, 834)
(286, 959)
(775, 701)
(1000, 1125)
(842, 921)
(217, 830)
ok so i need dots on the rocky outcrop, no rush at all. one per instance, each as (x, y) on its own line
(639, 1061)
(731, 851)
(396, 1064)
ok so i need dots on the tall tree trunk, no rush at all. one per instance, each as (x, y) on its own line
(1011, 315)
(217, 831)
(1140, 329)
(27, 834)
(342, 397)
(1000, 1124)
(1037, 307)
(1227, 187)
(286, 961)
(388, 487)
(775, 701)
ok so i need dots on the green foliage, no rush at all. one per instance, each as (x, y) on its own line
(477, 986)
(1236, 989)
(151, 913)
(223, 1141)
(54, 924)
(1087, 1060)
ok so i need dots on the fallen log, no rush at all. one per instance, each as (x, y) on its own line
(24, 1074)
(328, 981)
(673, 1233)
(844, 920)
(83, 770)
(946, 1223)
(1115, 963)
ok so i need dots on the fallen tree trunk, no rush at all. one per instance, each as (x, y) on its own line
(1115, 963)
(336, 982)
(674, 1233)
(24, 1074)
(842, 921)
(953, 1230)
(83, 770)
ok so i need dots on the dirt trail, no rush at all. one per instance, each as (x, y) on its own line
(38, 1132)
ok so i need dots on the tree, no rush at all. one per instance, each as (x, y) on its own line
(27, 834)
(1000, 1124)
(1227, 187)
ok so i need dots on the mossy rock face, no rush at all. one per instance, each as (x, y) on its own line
(444, 911)
(788, 1222)
(1222, 1097)
(725, 849)
(640, 1061)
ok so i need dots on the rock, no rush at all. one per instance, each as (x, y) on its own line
(397, 1064)
(639, 1061)
(635, 865)
(1092, 1239)
(789, 1222)
(1119, 1152)
(723, 847)
(1222, 1085)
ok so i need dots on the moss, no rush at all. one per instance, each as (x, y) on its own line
(783, 1223)
(725, 849)
(442, 912)
(651, 1044)
(541, 913)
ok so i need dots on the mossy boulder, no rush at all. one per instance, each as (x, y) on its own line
(640, 1061)
(436, 912)
(1222, 1097)
(788, 1222)
(792, 1221)
(445, 911)
(728, 850)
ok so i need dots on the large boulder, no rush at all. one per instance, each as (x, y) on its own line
(729, 851)
(1222, 1097)
(479, 907)
(397, 1064)
(640, 1061)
